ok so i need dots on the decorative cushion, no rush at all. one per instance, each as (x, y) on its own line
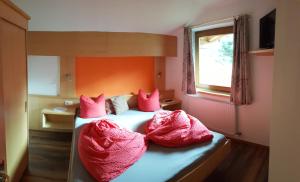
(109, 108)
(148, 103)
(120, 104)
(92, 108)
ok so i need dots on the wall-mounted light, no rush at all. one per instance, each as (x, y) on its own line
(68, 77)
(159, 75)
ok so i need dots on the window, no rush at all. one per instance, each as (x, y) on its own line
(214, 57)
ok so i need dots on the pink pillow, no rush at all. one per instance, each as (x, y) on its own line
(92, 108)
(148, 103)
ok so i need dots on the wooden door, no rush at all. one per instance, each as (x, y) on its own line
(14, 96)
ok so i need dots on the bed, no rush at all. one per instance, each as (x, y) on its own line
(159, 163)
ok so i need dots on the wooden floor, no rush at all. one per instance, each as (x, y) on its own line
(246, 162)
(49, 154)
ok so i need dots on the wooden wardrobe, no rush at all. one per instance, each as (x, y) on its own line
(13, 90)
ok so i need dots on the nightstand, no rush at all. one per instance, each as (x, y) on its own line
(170, 104)
(58, 120)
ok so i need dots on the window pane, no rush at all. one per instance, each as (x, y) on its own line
(215, 59)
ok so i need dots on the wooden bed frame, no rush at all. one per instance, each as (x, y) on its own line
(206, 167)
(196, 173)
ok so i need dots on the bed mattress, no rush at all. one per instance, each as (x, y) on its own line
(157, 164)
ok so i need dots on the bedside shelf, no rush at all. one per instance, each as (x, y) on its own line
(170, 104)
(263, 52)
(58, 120)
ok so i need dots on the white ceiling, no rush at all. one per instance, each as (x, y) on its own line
(151, 16)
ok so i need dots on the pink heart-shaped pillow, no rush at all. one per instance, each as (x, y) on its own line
(148, 103)
(92, 108)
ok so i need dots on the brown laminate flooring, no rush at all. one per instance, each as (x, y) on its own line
(246, 162)
(49, 154)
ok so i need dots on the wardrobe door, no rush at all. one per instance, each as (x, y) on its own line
(14, 87)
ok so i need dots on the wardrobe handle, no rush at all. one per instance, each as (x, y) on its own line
(26, 106)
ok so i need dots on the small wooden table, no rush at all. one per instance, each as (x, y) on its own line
(58, 120)
(170, 104)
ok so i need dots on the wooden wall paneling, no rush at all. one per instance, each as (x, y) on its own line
(101, 44)
(66, 43)
(126, 44)
(170, 46)
(160, 73)
(14, 88)
(140, 44)
(67, 76)
(34, 113)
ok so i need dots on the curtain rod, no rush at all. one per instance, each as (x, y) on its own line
(213, 21)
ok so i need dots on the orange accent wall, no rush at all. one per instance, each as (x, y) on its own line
(113, 75)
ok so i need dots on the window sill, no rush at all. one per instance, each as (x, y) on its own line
(212, 92)
(212, 95)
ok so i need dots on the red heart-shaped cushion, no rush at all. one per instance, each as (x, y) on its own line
(106, 150)
(148, 103)
(92, 108)
(176, 129)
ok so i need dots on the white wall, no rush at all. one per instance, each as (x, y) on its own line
(254, 119)
(285, 122)
(44, 75)
(150, 16)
